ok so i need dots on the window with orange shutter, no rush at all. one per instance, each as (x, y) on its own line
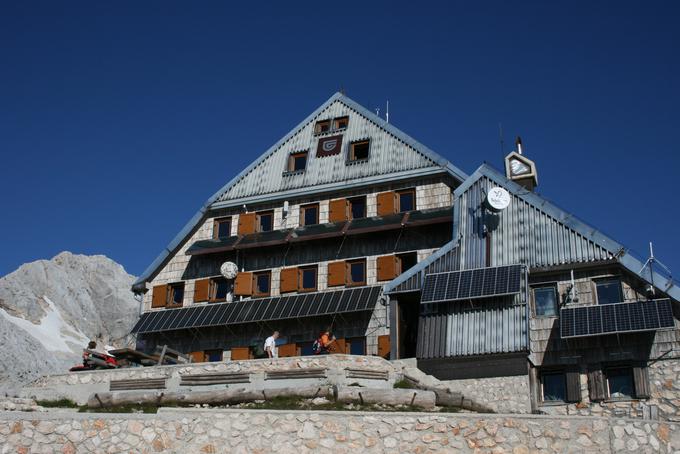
(201, 290)
(243, 285)
(246, 223)
(289, 280)
(336, 273)
(159, 296)
(388, 267)
(338, 210)
(387, 203)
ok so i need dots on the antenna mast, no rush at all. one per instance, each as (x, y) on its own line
(387, 112)
(650, 262)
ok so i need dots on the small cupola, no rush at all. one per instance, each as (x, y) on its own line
(521, 169)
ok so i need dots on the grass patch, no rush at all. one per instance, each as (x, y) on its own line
(403, 384)
(120, 409)
(61, 403)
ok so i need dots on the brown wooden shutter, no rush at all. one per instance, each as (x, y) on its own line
(289, 280)
(243, 285)
(384, 346)
(387, 203)
(336, 273)
(246, 223)
(201, 290)
(573, 379)
(238, 353)
(339, 346)
(287, 350)
(641, 379)
(198, 357)
(159, 296)
(338, 210)
(387, 267)
(596, 383)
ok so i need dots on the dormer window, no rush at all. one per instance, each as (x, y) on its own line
(340, 123)
(297, 162)
(358, 151)
(322, 126)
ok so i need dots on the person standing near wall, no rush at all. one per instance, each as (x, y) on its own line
(270, 345)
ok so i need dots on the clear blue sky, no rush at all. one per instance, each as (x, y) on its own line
(119, 119)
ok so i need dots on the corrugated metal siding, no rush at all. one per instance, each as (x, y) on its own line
(456, 329)
(388, 154)
(524, 234)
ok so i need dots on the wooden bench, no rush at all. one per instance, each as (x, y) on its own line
(217, 378)
(295, 374)
(140, 383)
(367, 374)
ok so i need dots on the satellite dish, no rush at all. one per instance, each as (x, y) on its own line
(497, 199)
(229, 270)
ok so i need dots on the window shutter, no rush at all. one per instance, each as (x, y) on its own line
(243, 285)
(573, 379)
(339, 346)
(246, 223)
(287, 350)
(596, 384)
(201, 290)
(336, 273)
(384, 346)
(641, 379)
(387, 203)
(338, 210)
(387, 267)
(197, 357)
(160, 296)
(238, 353)
(289, 280)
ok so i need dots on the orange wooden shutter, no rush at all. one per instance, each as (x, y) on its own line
(238, 353)
(338, 210)
(201, 290)
(289, 280)
(387, 267)
(336, 273)
(243, 285)
(339, 346)
(384, 346)
(246, 223)
(197, 357)
(287, 350)
(387, 203)
(160, 296)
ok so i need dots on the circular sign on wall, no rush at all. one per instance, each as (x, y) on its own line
(497, 199)
(229, 270)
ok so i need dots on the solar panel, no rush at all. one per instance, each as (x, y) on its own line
(271, 309)
(345, 299)
(287, 303)
(616, 318)
(471, 284)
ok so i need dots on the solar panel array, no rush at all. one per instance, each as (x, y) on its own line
(471, 284)
(258, 310)
(616, 318)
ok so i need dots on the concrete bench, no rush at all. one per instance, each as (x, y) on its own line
(218, 378)
(367, 374)
(142, 383)
(295, 374)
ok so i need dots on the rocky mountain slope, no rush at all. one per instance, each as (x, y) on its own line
(49, 309)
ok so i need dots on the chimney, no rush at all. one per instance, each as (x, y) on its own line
(521, 169)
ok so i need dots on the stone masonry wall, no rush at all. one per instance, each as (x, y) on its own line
(501, 394)
(260, 431)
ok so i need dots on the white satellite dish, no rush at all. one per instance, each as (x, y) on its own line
(229, 270)
(497, 199)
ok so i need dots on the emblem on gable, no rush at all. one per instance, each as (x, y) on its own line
(329, 146)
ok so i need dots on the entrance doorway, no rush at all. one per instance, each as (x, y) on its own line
(408, 311)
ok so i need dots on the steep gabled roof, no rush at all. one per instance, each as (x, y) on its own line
(264, 179)
(562, 217)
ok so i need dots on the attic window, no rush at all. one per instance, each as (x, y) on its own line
(322, 126)
(175, 295)
(358, 151)
(297, 162)
(340, 123)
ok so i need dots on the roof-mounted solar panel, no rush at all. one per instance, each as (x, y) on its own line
(600, 320)
(472, 284)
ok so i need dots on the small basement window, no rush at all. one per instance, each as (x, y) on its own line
(340, 123)
(554, 387)
(265, 221)
(620, 383)
(308, 278)
(407, 200)
(262, 283)
(357, 207)
(322, 126)
(356, 274)
(221, 228)
(219, 288)
(609, 291)
(297, 162)
(545, 300)
(309, 214)
(358, 151)
(175, 296)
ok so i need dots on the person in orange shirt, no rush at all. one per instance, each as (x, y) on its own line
(322, 344)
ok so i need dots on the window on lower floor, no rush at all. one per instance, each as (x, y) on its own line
(262, 283)
(356, 274)
(545, 300)
(219, 288)
(356, 345)
(222, 228)
(357, 207)
(213, 355)
(407, 200)
(554, 387)
(175, 294)
(309, 214)
(609, 291)
(620, 383)
(308, 281)
(406, 261)
(265, 221)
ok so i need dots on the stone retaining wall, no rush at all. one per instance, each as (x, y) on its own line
(259, 431)
(500, 394)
